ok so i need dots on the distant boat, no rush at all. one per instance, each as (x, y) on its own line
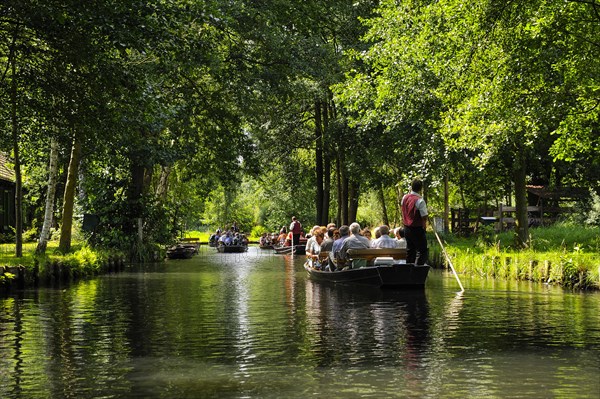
(180, 252)
(190, 242)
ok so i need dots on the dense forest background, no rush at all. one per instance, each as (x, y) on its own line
(162, 116)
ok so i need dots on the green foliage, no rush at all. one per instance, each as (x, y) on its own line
(257, 231)
(486, 236)
(564, 254)
(7, 237)
(204, 112)
(6, 278)
(31, 234)
(225, 206)
(85, 259)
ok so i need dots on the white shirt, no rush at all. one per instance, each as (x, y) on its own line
(385, 241)
(313, 246)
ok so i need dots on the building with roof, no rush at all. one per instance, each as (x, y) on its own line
(7, 195)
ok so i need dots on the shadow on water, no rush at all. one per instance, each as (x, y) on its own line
(255, 325)
(377, 326)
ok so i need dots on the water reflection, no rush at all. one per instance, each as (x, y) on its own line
(370, 325)
(254, 325)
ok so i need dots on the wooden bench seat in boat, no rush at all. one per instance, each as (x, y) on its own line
(370, 254)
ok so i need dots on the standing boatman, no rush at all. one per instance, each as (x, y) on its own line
(296, 230)
(414, 217)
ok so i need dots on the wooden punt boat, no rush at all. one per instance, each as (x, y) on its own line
(298, 250)
(232, 248)
(190, 242)
(382, 270)
(180, 252)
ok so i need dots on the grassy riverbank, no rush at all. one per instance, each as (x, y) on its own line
(562, 254)
(30, 269)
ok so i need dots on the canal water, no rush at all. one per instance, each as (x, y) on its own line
(255, 326)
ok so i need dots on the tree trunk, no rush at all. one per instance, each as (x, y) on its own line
(446, 204)
(384, 215)
(163, 183)
(345, 197)
(319, 163)
(18, 177)
(138, 173)
(326, 167)
(353, 196)
(69, 197)
(50, 197)
(462, 194)
(338, 176)
(520, 176)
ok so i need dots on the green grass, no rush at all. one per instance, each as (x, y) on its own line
(81, 261)
(202, 235)
(564, 254)
(8, 258)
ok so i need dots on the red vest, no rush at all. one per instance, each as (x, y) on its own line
(296, 227)
(411, 216)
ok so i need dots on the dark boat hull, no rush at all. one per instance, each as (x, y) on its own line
(180, 253)
(385, 276)
(232, 248)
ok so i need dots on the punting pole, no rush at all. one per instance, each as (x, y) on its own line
(449, 261)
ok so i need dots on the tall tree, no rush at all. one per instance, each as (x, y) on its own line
(50, 197)
(66, 226)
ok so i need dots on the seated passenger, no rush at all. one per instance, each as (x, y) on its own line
(385, 241)
(327, 241)
(313, 246)
(399, 232)
(355, 241)
(377, 233)
(222, 239)
(366, 233)
(282, 235)
(263, 240)
(303, 239)
(342, 235)
(288, 240)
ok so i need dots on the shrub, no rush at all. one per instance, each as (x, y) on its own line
(30, 235)
(257, 231)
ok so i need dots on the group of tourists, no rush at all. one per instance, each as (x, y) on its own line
(286, 236)
(337, 241)
(228, 237)
(267, 239)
